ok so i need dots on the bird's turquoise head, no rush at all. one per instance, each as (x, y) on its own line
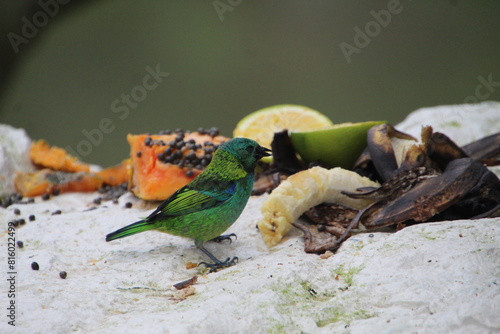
(247, 151)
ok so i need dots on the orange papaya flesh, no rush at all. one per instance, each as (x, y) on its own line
(161, 164)
(55, 158)
(116, 175)
(46, 181)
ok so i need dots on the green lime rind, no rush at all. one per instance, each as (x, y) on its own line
(338, 146)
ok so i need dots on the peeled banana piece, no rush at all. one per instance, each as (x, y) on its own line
(304, 190)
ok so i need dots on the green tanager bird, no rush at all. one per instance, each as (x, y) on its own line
(210, 203)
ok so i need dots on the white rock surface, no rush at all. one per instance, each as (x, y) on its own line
(14, 156)
(429, 278)
(463, 123)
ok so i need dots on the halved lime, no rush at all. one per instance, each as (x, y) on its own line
(338, 146)
(262, 124)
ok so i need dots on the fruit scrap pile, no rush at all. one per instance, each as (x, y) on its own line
(396, 180)
(341, 178)
(157, 167)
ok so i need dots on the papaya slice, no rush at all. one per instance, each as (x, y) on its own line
(46, 181)
(161, 164)
(55, 158)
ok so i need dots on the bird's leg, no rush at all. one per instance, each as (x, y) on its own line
(223, 237)
(218, 264)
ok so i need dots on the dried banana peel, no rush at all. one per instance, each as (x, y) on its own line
(304, 190)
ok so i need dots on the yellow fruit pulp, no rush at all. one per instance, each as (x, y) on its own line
(262, 124)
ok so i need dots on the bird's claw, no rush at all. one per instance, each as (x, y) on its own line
(223, 237)
(219, 265)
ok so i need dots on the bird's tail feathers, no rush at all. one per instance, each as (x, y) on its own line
(131, 229)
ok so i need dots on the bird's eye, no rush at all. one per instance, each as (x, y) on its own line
(249, 149)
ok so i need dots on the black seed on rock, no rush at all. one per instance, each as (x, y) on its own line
(97, 200)
(20, 244)
(46, 196)
(31, 200)
(115, 201)
(57, 212)
(35, 266)
(63, 274)
(17, 211)
(21, 221)
(128, 205)
(56, 192)
(32, 218)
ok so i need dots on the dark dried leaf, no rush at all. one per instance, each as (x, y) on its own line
(331, 214)
(487, 148)
(284, 155)
(316, 241)
(430, 197)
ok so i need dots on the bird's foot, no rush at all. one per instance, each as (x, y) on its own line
(223, 237)
(219, 264)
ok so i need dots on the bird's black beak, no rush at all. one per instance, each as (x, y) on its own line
(261, 152)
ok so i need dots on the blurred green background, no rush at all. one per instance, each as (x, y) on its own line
(67, 65)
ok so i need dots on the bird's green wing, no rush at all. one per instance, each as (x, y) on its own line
(188, 200)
